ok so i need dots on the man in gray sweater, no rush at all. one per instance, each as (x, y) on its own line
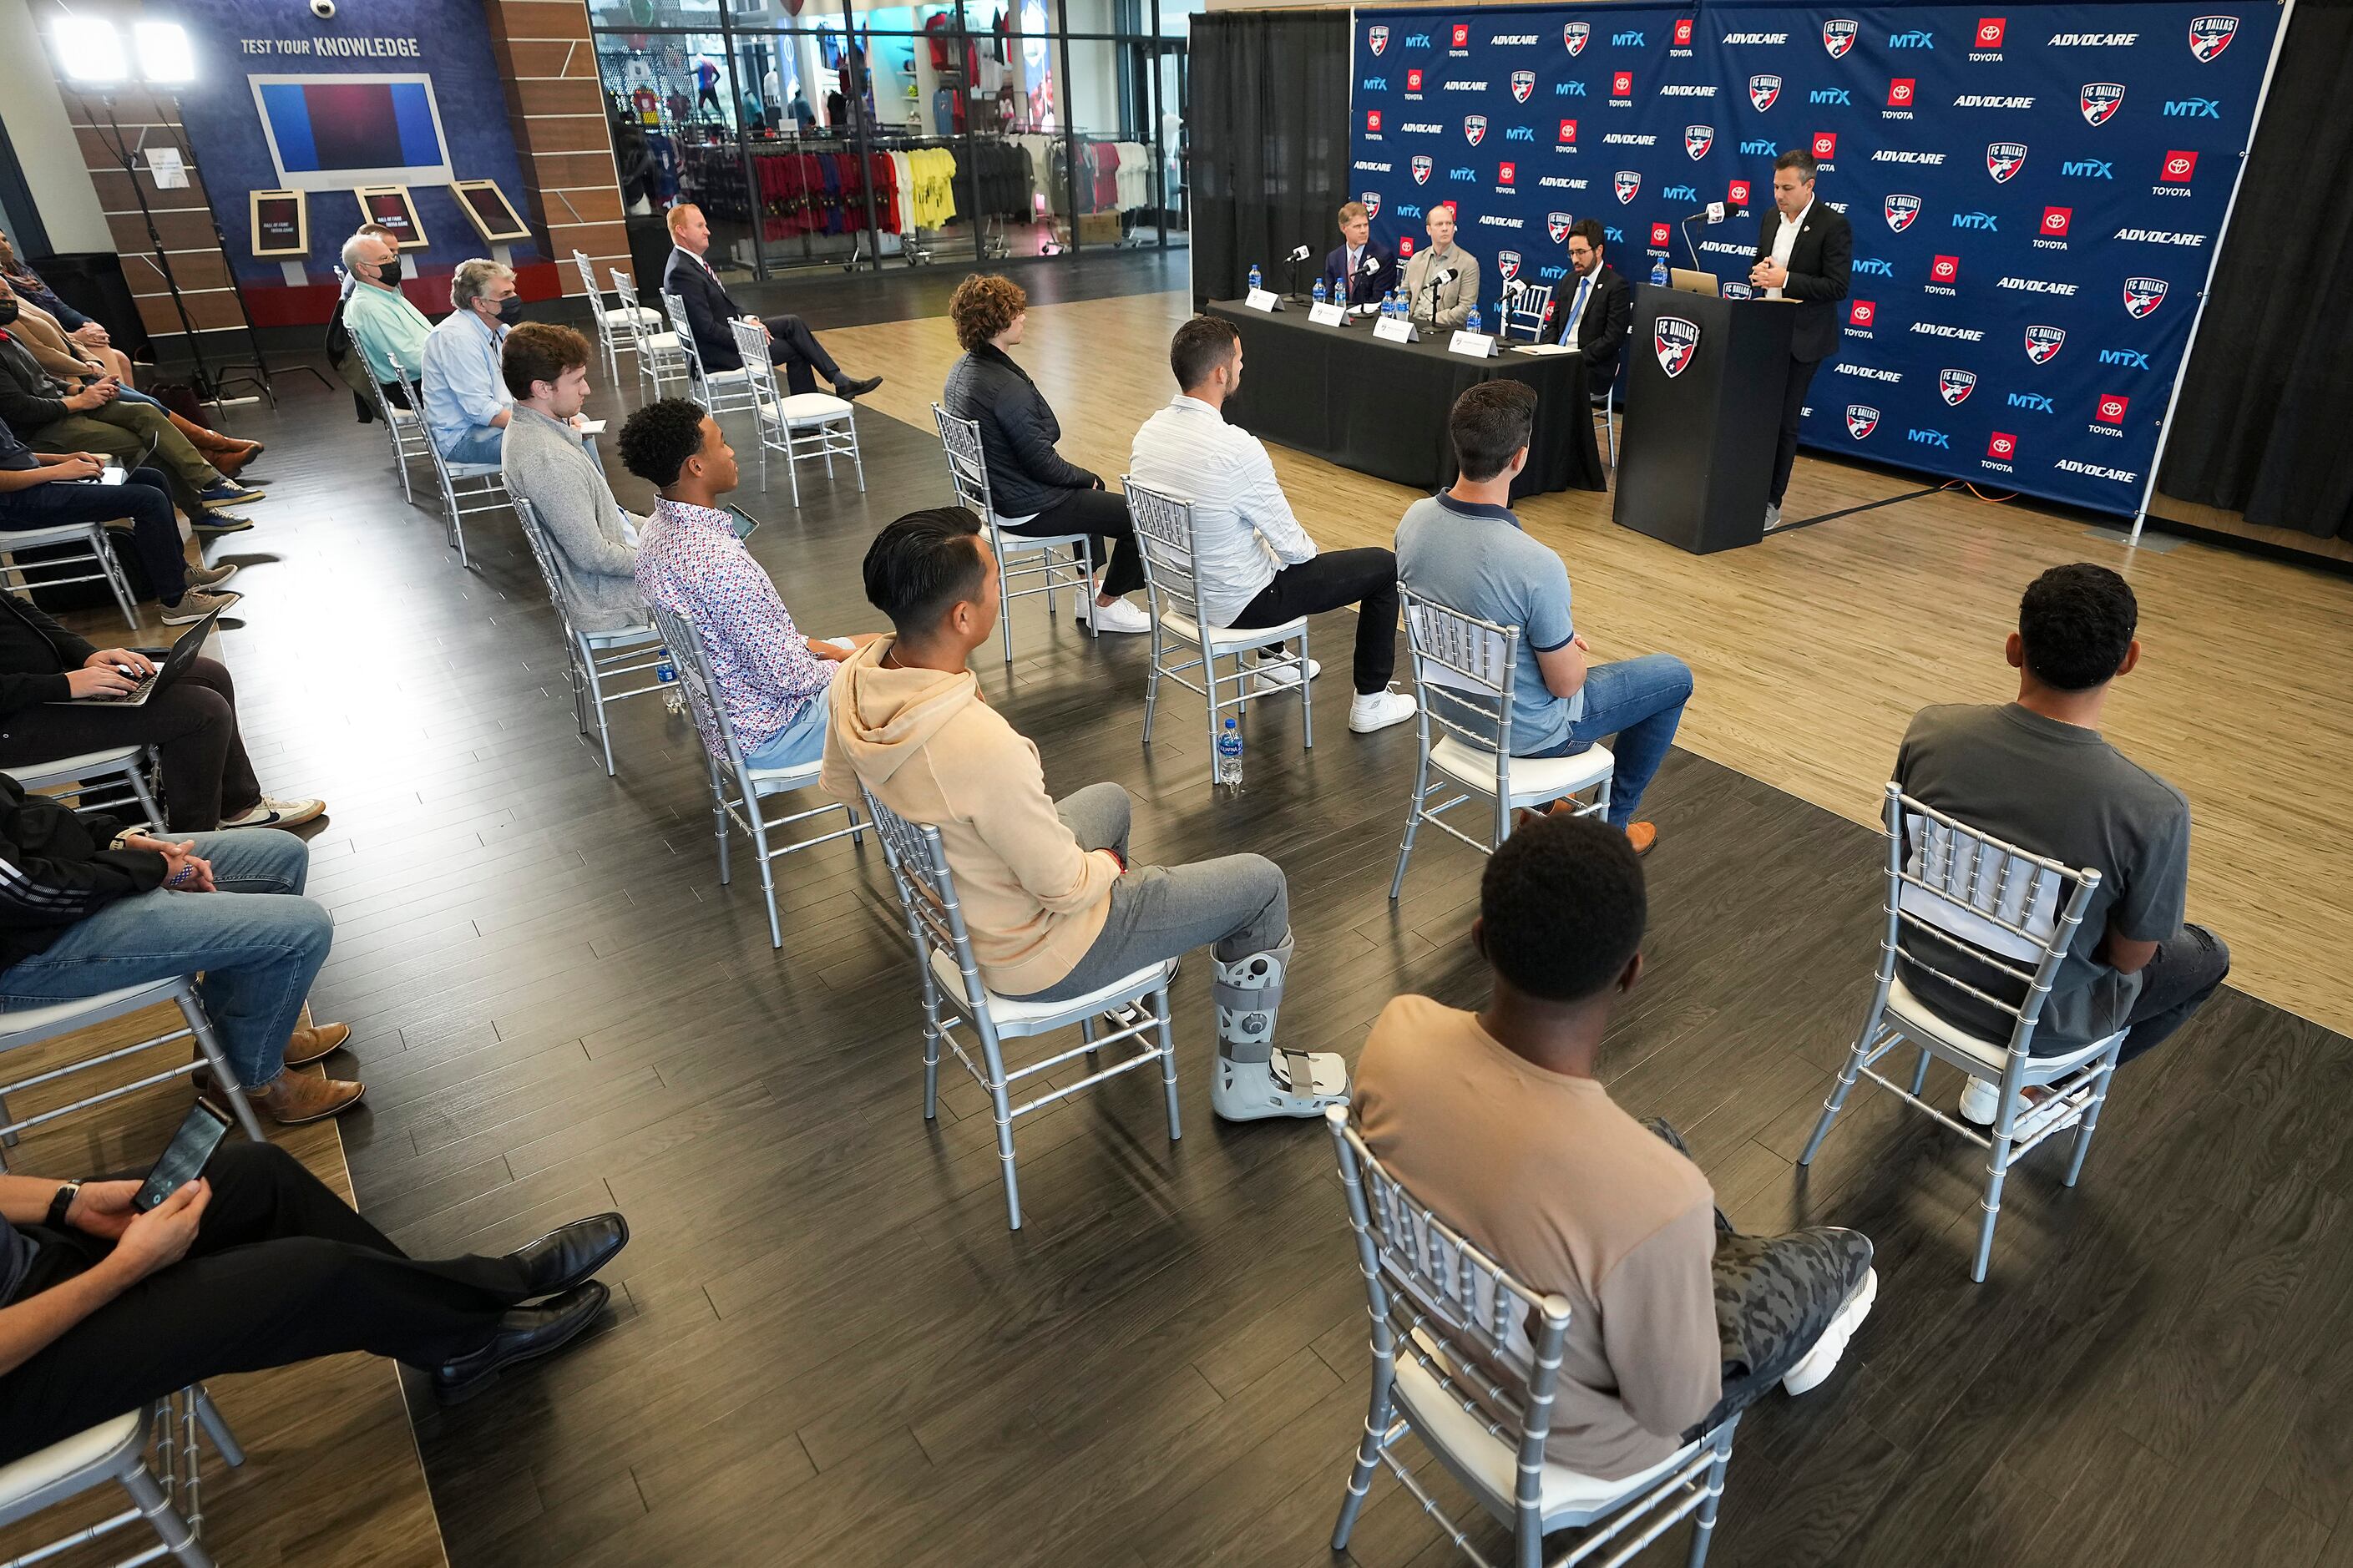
(594, 542)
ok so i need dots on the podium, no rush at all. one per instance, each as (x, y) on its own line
(1703, 401)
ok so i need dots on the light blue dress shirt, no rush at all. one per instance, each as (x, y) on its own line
(463, 391)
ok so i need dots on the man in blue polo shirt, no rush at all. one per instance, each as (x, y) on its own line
(1464, 549)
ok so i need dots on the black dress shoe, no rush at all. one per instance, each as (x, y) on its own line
(850, 386)
(570, 1254)
(526, 1333)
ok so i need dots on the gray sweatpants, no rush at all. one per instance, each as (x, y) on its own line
(1238, 902)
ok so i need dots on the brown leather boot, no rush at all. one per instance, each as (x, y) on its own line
(308, 1045)
(297, 1097)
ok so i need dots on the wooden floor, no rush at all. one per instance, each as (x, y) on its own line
(827, 1349)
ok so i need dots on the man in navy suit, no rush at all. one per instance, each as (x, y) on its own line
(1593, 311)
(709, 310)
(1344, 277)
(1805, 253)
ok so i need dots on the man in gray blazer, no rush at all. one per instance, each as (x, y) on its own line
(1446, 305)
(592, 540)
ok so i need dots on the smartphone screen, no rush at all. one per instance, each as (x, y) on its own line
(744, 522)
(110, 475)
(183, 1158)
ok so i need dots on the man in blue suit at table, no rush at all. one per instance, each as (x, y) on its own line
(1345, 277)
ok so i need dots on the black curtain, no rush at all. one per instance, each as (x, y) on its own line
(2262, 424)
(1270, 142)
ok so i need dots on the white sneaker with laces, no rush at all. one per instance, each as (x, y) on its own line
(1823, 1359)
(1119, 615)
(1270, 677)
(275, 813)
(1378, 709)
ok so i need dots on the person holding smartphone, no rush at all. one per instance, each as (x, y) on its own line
(255, 1264)
(44, 489)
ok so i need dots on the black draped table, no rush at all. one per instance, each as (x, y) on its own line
(1347, 396)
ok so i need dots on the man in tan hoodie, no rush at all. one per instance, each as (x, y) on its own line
(1053, 907)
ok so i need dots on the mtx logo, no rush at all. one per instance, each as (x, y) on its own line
(1572, 88)
(1519, 133)
(2087, 169)
(1914, 39)
(1762, 148)
(1626, 40)
(1871, 267)
(2193, 109)
(1928, 438)
(2033, 402)
(1374, 84)
(2129, 359)
(1982, 221)
(1678, 194)
(1836, 95)
(1674, 341)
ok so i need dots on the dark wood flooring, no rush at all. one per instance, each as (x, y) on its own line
(827, 1349)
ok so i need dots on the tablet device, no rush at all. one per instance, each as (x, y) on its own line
(744, 522)
(183, 1160)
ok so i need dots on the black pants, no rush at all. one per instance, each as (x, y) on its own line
(282, 1270)
(795, 348)
(1793, 406)
(2189, 966)
(208, 777)
(1337, 577)
(145, 495)
(1103, 514)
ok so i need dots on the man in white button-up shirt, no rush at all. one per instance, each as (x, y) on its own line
(1255, 565)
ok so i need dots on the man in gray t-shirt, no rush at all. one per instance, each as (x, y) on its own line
(2036, 772)
(1464, 549)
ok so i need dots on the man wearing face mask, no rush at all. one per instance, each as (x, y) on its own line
(389, 330)
(467, 404)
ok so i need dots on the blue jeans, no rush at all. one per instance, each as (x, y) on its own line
(798, 744)
(1640, 702)
(257, 941)
(145, 497)
(482, 444)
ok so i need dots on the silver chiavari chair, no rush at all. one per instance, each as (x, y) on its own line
(1972, 914)
(468, 490)
(616, 329)
(406, 429)
(151, 1452)
(799, 424)
(1526, 309)
(721, 392)
(592, 658)
(659, 354)
(1060, 559)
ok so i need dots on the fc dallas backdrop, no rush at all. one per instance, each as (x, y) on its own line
(2036, 193)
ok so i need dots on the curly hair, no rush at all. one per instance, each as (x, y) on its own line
(984, 306)
(660, 438)
(2076, 623)
(1562, 907)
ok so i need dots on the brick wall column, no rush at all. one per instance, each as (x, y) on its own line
(555, 105)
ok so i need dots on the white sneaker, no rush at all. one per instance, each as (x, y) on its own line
(1119, 615)
(1254, 1091)
(1378, 709)
(275, 813)
(1822, 1360)
(1269, 677)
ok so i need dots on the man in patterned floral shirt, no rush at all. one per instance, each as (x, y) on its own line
(773, 680)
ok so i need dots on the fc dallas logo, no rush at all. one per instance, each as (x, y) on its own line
(2004, 159)
(2142, 296)
(1862, 419)
(1378, 37)
(1523, 84)
(2210, 36)
(1763, 91)
(1628, 181)
(1901, 212)
(1372, 200)
(1556, 225)
(1507, 262)
(1838, 37)
(2042, 343)
(1954, 385)
(1698, 139)
(1421, 167)
(1474, 127)
(1573, 35)
(2100, 99)
(1674, 341)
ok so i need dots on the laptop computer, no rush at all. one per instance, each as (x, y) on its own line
(175, 664)
(1692, 283)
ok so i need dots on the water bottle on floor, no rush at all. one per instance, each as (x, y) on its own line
(1229, 756)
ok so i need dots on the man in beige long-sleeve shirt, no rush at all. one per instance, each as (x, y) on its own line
(1053, 907)
(1496, 1121)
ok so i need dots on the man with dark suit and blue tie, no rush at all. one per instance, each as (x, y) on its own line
(709, 310)
(1805, 253)
(1344, 277)
(1594, 312)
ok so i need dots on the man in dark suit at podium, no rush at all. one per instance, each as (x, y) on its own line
(1804, 254)
(1595, 310)
(1345, 279)
(709, 310)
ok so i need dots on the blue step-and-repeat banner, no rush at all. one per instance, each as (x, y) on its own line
(2036, 194)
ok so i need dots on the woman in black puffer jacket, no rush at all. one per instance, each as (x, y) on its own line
(1032, 489)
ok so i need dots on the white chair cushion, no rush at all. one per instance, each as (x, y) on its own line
(1444, 1425)
(1916, 1018)
(776, 781)
(621, 637)
(401, 416)
(83, 533)
(804, 410)
(1533, 778)
(474, 470)
(1223, 639)
(46, 1468)
(667, 342)
(624, 315)
(1019, 1017)
(82, 765)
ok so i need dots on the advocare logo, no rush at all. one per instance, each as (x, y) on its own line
(1507, 263)
(1524, 83)
(1902, 211)
(1575, 35)
(2004, 159)
(1377, 36)
(1627, 181)
(2142, 296)
(2042, 343)
(2099, 101)
(1697, 140)
(1674, 341)
(1763, 91)
(1954, 385)
(1862, 419)
(1475, 128)
(2210, 36)
(1421, 167)
(1556, 225)
(1838, 37)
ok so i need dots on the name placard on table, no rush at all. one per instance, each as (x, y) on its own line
(1395, 329)
(1264, 299)
(1329, 315)
(1477, 345)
